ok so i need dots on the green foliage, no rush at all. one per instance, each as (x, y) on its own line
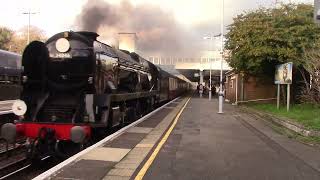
(5, 37)
(305, 114)
(311, 90)
(20, 38)
(260, 39)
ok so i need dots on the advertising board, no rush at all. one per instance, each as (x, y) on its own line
(283, 74)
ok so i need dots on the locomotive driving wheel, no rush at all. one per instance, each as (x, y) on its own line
(65, 149)
(42, 146)
(138, 110)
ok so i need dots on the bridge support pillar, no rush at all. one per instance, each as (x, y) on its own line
(201, 82)
(201, 77)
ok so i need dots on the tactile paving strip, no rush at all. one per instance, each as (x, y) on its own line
(154, 120)
(106, 154)
(126, 140)
(85, 170)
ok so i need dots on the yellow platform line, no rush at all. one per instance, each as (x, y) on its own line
(154, 154)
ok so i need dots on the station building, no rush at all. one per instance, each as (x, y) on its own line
(242, 88)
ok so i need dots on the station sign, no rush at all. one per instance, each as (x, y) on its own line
(283, 74)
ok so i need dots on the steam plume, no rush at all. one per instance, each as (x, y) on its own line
(157, 30)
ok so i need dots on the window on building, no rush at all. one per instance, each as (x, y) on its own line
(231, 83)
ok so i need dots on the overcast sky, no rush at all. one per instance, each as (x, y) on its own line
(199, 17)
(59, 15)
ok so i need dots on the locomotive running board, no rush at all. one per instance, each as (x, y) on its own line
(131, 96)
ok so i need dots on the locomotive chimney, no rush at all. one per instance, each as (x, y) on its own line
(127, 41)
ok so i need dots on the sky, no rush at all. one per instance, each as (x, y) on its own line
(200, 17)
(58, 15)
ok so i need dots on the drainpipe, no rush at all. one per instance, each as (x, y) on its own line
(242, 86)
(236, 89)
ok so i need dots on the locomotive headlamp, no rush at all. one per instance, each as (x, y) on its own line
(62, 45)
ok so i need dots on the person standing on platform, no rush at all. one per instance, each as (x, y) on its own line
(200, 90)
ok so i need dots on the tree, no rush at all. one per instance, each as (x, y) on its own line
(311, 91)
(20, 38)
(5, 37)
(263, 38)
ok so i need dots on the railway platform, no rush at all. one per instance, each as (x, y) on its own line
(188, 139)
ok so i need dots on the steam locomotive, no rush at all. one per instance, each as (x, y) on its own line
(76, 89)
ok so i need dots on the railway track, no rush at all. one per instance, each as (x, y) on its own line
(8, 148)
(12, 156)
(24, 169)
(13, 167)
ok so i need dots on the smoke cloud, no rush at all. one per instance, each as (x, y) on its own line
(158, 32)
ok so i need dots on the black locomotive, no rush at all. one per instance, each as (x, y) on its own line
(76, 88)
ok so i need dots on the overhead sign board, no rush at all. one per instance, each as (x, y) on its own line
(283, 74)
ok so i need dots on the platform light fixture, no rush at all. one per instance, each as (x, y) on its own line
(29, 14)
(210, 60)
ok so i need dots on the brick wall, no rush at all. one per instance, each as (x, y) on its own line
(253, 87)
(230, 87)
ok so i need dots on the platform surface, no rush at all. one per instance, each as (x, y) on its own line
(230, 146)
(202, 145)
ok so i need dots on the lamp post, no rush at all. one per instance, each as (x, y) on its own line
(29, 13)
(222, 48)
(210, 38)
(210, 80)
